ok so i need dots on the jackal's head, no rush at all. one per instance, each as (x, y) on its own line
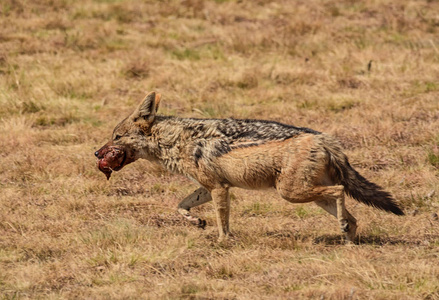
(131, 138)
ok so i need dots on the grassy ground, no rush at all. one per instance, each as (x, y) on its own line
(364, 71)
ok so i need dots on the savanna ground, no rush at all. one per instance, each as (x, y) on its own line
(364, 71)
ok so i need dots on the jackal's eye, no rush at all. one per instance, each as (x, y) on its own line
(117, 137)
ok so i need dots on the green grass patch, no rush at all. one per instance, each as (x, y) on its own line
(433, 159)
(186, 54)
(341, 105)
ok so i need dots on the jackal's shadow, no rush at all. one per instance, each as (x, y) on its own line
(365, 239)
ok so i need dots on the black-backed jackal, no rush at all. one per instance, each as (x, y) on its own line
(303, 165)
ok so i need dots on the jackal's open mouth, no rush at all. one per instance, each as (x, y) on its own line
(113, 159)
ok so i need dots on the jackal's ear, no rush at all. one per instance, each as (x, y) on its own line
(158, 97)
(147, 108)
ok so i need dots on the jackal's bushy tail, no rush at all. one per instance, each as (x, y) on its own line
(356, 185)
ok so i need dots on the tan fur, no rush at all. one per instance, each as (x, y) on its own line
(301, 164)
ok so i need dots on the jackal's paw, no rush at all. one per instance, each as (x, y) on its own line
(201, 224)
(344, 226)
(227, 238)
(350, 237)
(198, 222)
(349, 242)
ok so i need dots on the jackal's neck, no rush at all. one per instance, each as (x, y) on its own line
(171, 142)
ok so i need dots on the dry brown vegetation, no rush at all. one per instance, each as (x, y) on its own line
(364, 71)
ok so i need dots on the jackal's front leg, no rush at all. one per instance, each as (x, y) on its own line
(198, 197)
(221, 200)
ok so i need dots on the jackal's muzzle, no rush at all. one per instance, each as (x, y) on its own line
(111, 158)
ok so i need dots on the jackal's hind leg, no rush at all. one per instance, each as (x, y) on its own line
(348, 224)
(331, 198)
(198, 197)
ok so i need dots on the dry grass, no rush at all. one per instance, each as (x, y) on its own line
(365, 71)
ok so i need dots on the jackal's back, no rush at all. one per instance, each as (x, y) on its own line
(225, 135)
